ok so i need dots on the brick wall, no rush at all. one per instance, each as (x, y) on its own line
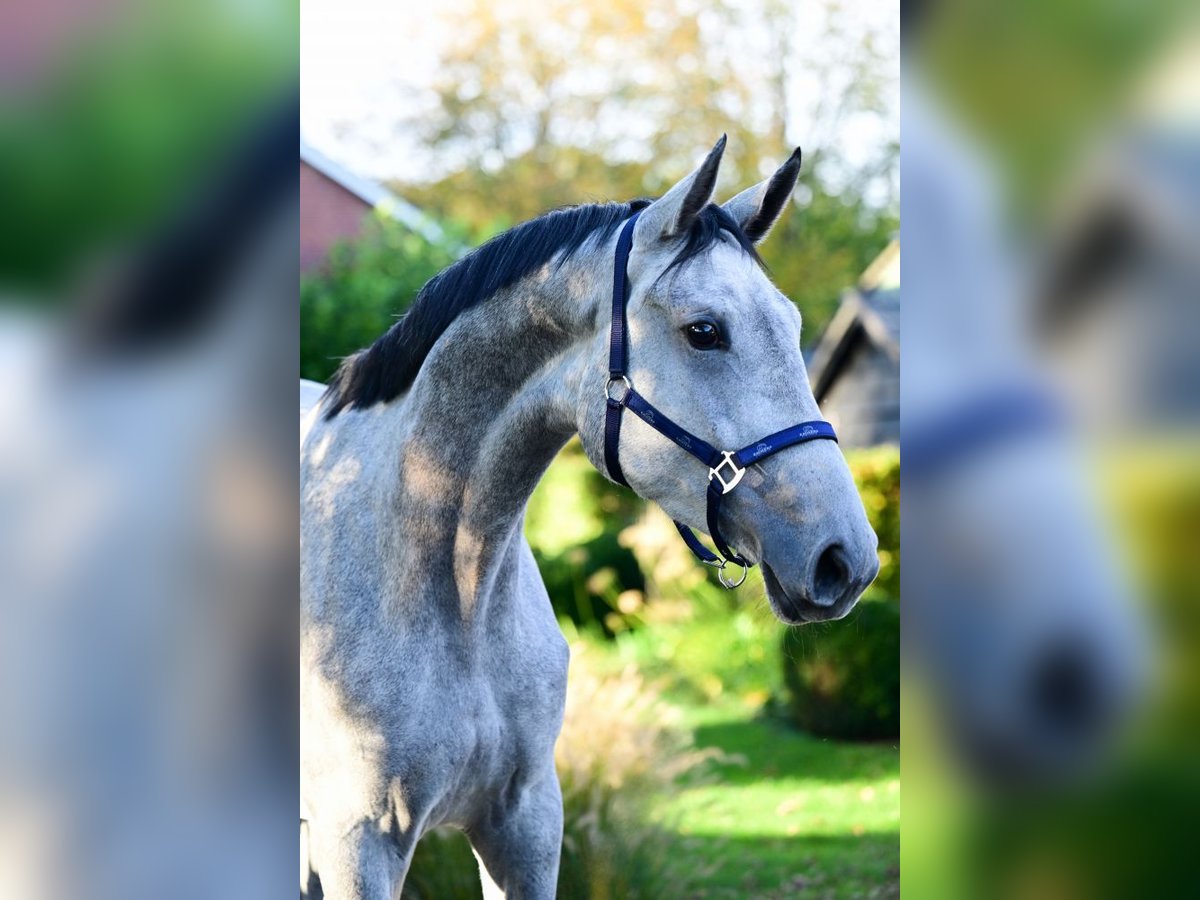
(328, 213)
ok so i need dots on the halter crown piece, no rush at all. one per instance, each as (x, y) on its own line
(725, 467)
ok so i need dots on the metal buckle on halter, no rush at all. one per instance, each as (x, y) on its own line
(617, 379)
(730, 584)
(738, 472)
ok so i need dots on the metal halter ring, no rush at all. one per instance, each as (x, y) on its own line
(614, 379)
(730, 583)
(729, 484)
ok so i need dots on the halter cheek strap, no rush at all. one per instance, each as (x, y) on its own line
(725, 467)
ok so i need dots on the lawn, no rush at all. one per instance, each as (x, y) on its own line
(795, 816)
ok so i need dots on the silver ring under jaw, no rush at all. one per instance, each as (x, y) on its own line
(730, 583)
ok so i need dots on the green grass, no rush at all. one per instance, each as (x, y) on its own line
(787, 814)
(722, 651)
(794, 816)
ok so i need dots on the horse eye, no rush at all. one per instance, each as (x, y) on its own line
(703, 335)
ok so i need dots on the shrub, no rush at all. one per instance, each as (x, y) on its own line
(574, 522)
(364, 285)
(843, 678)
(1154, 495)
(597, 585)
(877, 473)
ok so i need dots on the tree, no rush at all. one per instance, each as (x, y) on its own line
(541, 105)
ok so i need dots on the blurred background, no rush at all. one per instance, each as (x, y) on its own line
(148, 354)
(1050, 397)
(708, 751)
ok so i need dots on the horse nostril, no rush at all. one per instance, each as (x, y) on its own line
(831, 576)
(1065, 693)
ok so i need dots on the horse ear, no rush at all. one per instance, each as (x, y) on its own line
(673, 213)
(757, 208)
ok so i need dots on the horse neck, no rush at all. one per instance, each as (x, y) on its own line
(492, 405)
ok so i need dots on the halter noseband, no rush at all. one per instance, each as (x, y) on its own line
(725, 467)
(997, 414)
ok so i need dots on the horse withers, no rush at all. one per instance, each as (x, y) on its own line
(433, 671)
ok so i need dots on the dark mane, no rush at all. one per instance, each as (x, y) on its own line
(387, 368)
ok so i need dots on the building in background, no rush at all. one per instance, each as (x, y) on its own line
(855, 366)
(335, 202)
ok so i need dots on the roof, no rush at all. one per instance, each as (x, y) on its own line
(374, 195)
(872, 310)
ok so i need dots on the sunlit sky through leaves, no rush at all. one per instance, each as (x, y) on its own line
(368, 66)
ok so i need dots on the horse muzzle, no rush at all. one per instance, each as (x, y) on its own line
(827, 586)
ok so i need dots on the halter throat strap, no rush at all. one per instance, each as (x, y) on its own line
(725, 468)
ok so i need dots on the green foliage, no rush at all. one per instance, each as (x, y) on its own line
(590, 583)
(1036, 81)
(717, 652)
(822, 247)
(574, 503)
(612, 847)
(491, 200)
(877, 473)
(443, 868)
(574, 523)
(364, 286)
(1155, 494)
(843, 678)
(125, 123)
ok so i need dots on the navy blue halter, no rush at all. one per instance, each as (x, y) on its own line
(1003, 413)
(725, 467)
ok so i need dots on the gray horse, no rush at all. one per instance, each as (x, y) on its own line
(433, 672)
(1016, 618)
